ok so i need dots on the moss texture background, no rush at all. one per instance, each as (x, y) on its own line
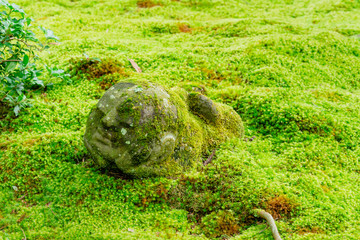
(291, 69)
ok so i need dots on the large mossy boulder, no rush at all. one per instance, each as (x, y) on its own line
(145, 130)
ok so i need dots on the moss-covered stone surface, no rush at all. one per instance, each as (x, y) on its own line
(147, 131)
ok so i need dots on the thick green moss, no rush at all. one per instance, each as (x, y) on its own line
(276, 62)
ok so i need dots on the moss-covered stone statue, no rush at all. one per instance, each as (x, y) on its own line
(145, 130)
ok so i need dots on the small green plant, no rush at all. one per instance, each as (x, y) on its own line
(19, 45)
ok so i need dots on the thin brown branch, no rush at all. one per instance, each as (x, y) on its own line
(48, 205)
(22, 197)
(10, 60)
(5, 96)
(210, 158)
(137, 68)
(264, 229)
(24, 234)
(3, 227)
(24, 42)
(21, 218)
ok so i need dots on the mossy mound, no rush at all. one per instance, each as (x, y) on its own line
(105, 72)
(146, 130)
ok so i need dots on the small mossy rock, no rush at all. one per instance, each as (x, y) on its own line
(146, 130)
(203, 107)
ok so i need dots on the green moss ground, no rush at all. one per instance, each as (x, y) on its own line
(291, 69)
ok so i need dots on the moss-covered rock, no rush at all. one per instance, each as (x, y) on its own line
(146, 130)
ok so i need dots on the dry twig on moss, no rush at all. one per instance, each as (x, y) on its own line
(137, 68)
(23, 233)
(3, 227)
(210, 158)
(270, 220)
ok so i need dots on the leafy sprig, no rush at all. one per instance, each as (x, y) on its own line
(19, 72)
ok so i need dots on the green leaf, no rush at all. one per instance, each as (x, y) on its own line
(29, 20)
(17, 9)
(50, 85)
(16, 110)
(25, 60)
(96, 59)
(10, 66)
(49, 34)
(4, 3)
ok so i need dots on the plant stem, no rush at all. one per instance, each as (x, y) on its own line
(10, 60)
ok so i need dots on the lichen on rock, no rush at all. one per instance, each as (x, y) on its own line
(147, 130)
